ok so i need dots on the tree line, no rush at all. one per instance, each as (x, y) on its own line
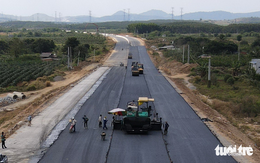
(16, 46)
(192, 27)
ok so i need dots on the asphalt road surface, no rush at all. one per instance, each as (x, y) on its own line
(188, 139)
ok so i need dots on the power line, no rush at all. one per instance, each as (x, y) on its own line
(172, 13)
(59, 17)
(55, 16)
(124, 14)
(181, 13)
(90, 16)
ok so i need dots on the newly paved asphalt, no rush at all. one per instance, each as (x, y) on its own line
(188, 139)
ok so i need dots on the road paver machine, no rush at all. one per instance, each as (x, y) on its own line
(139, 117)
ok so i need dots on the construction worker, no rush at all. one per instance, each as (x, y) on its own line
(113, 121)
(100, 120)
(29, 120)
(3, 140)
(105, 123)
(166, 126)
(85, 119)
(73, 123)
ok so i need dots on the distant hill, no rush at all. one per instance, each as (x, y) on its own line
(123, 16)
(218, 15)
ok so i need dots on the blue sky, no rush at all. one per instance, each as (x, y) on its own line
(100, 8)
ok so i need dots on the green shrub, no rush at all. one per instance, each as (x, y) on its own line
(197, 79)
(31, 88)
(236, 78)
(193, 74)
(47, 83)
(227, 77)
(231, 81)
(155, 53)
(235, 88)
(214, 79)
(215, 71)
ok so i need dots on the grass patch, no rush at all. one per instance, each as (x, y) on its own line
(226, 92)
(244, 128)
(2, 120)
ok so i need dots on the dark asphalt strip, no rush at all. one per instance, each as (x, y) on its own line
(111, 138)
(164, 140)
(190, 140)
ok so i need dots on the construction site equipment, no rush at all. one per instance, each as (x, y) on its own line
(134, 69)
(137, 117)
(140, 68)
(20, 95)
(12, 95)
(130, 56)
(16, 95)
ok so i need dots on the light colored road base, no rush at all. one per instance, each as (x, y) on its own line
(28, 139)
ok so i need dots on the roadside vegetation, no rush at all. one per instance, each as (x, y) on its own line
(235, 85)
(21, 67)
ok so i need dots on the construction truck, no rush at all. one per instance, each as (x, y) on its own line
(138, 117)
(130, 56)
(140, 68)
(134, 69)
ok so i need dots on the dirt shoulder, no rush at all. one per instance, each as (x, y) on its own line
(15, 115)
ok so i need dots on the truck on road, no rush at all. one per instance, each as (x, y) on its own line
(140, 68)
(130, 56)
(134, 69)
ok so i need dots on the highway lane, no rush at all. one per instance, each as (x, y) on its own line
(85, 145)
(136, 147)
(133, 41)
(188, 139)
(121, 51)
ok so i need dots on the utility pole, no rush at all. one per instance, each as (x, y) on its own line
(181, 13)
(238, 51)
(209, 80)
(59, 17)
(78, 58)
(68, 57)
(55, 16)
(94, 56)
(90, 16)
(172, 13)
(124, 14)
(183, 54)
(128, 14)
(188, 54)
